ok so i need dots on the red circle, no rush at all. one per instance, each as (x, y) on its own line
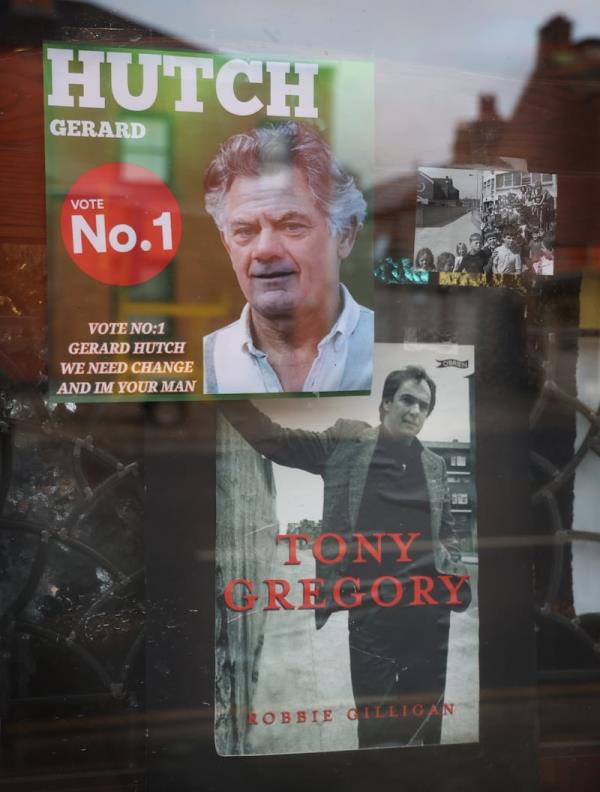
(120, 224)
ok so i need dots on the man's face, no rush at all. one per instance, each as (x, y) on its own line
(508, 240)
(406, 413)
(283, 254)
(475, 245)
(493, 242)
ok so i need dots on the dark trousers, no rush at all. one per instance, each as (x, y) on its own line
(398, 667)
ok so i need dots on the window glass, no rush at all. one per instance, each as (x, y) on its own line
(199, 457)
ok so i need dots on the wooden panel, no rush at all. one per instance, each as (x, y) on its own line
(22, 202)
(563, 768)
(22, 310)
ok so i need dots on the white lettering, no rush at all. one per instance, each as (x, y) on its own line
(87, 203)
(62, 78)
(129, 234)
(104, 387)
(87, 129)
(142, 74)
(105, 129)
(304, 90)
(73, 127)
(106, 328)
(81, 228)
(225, 86)
(72, 367)
(189, 67)
(121, 129)
(119, 79)
(74, 388)
(57, 127)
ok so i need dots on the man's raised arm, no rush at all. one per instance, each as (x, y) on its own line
(292, 447)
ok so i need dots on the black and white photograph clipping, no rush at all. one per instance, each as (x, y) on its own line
(492, 222)
(346, 563)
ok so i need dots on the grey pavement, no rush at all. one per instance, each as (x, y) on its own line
(305, 669)
(445, 238)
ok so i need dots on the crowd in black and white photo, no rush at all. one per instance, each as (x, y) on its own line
(516, 237)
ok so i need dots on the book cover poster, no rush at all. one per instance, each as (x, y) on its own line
(208, 224)
(480, 225)
(346, 564)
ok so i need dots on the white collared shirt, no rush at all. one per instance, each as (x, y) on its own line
(344, 361)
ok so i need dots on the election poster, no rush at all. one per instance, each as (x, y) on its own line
(347, 579)
(209, 224)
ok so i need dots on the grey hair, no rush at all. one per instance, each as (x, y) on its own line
(290, 144)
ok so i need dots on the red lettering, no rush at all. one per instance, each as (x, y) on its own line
(301, 716)
(352, 714)
(375, 592)
(286, 717)
(337, 593)
(423, 586)
(448, 709)
(311, 588)
(453, 589)
(403, 546)
(248, 599)
(342, 546)
(268, 718)
(417, 709)
(327, 715)
(293, 545)
(251, 719)
(362, 541)
(277, 599)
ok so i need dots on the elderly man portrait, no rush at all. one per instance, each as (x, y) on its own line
(288, 215)
(379, 481)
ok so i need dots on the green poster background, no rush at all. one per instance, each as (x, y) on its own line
(197, 292)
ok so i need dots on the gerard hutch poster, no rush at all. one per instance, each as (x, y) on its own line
(209, 229)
